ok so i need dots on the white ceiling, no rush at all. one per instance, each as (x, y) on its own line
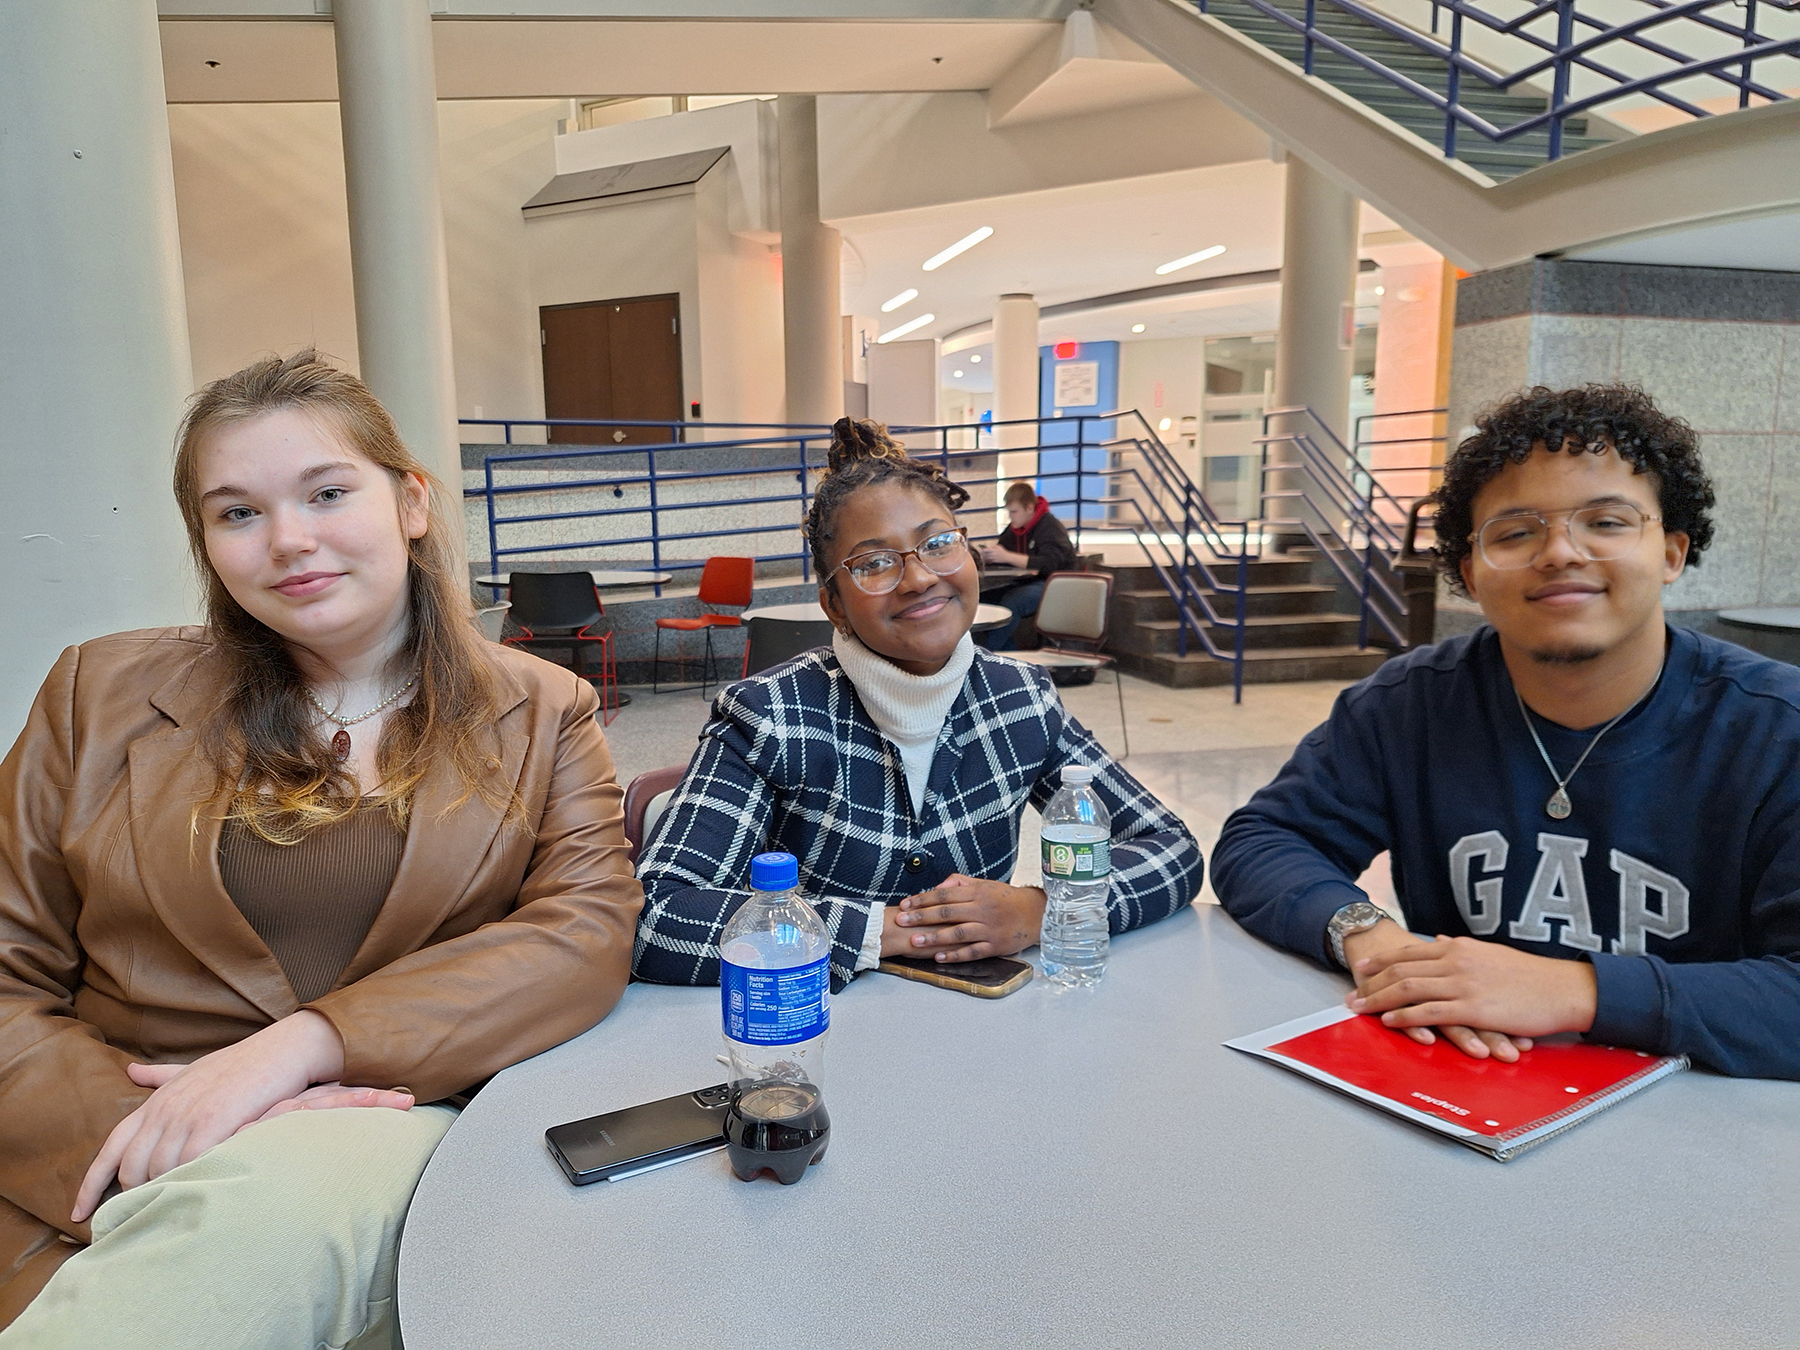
(1080, 242)
(1768, 243)
(294, 61)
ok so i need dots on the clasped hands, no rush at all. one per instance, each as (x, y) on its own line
(292, 1065)
(964, 919)
(1485, 998)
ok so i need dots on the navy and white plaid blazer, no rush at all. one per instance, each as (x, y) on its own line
(790, 761)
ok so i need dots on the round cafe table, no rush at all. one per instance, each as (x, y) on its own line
(603, 578)
(809, 611)
(1096, 1169)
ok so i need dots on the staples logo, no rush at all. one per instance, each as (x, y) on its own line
(1436, 1102)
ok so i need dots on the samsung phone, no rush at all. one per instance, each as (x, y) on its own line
(638, 1139)
(994, 977)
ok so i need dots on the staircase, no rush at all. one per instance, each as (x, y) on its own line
(1293, 629)
(1498, 160)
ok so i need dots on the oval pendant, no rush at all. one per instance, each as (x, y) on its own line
(340, 747)
(1557, 808)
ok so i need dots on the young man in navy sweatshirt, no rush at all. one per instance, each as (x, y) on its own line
(1596, 814)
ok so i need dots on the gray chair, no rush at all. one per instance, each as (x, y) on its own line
(1071, 619)
(774, 641)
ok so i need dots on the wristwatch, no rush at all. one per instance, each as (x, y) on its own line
(1352, 918)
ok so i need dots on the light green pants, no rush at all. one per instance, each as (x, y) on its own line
(283, 1237)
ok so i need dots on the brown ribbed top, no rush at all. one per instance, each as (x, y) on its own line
(313, 902)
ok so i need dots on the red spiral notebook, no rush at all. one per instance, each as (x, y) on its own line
(1501, 1109)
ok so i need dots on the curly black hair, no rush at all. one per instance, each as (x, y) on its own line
(1592, 419)
(863, 454)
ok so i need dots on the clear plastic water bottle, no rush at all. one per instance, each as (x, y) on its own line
(775, 992)
(1077, 878)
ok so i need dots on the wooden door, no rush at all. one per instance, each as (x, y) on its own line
(613, 359)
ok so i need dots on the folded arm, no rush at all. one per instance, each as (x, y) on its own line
(695, 868)
(1157, 866)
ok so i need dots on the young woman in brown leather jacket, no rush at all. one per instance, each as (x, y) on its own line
(271, 887)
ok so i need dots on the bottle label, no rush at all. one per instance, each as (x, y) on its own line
(776, 1007)
(1078, 862)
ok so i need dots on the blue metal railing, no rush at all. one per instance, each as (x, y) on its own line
(1343, 510)
(1577, 38)
(1142, 491)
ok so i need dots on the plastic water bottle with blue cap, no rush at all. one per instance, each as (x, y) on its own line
(775, 988)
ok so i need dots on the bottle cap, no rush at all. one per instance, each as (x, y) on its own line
(774, 872)
(1077, 774)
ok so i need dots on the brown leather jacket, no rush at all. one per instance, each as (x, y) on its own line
(119, 943)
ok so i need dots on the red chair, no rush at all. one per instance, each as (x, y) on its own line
(724, 581)
(559, 609)
(645, 800)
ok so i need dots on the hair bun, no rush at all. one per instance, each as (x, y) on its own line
(853, 440)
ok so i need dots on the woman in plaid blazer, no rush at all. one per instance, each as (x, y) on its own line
(894, 766)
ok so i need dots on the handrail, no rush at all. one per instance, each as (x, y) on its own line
(1199, 557)
(1563, 54)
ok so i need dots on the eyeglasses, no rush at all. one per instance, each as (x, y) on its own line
(878, 571)
(1596, 533)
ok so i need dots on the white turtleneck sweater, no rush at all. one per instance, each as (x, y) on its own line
(909, 711)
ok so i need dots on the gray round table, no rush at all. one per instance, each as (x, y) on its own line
(1097, 1170)
(603, 578)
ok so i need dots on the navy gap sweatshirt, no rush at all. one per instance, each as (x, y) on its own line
(1677, 874)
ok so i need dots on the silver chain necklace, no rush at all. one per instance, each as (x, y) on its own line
(340, 741)
(1559, 806)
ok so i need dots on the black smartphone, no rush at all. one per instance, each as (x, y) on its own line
(638, 1139)
(994, 977)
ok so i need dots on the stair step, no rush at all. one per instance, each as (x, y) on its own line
(1262, 633)
(1196, 670)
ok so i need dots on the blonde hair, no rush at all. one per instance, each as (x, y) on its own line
(263, 739)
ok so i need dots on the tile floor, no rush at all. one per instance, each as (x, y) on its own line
(1193, 748)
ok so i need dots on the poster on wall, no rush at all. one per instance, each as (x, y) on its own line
(1077, 384)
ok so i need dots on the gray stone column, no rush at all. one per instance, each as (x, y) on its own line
(811, 324)
(1313, 348)
(94, 361)
(387, 92)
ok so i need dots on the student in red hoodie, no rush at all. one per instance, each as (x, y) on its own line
(1036, 540)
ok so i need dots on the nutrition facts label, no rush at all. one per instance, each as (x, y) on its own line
(775, 1007)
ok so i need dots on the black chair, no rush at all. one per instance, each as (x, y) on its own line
(559, 609)
(773, 641)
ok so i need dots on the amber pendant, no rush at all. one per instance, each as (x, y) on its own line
(340, 747)
(1557, 808)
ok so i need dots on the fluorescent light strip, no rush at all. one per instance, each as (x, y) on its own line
(963, 245)
(899, 300)
(1190, 260)
(911, 325)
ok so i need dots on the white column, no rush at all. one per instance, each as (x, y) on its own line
(387, 99)
(1016, 369)
(1313, 349)
(94, 361)
(811, 324)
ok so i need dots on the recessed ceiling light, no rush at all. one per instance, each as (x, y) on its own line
(1381, 290)
(899, 300)
(1164, 425)
(1190, 260)
(911, 325)
(1137, 327)
(956, 374)
(976, 358)
(963, 245)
